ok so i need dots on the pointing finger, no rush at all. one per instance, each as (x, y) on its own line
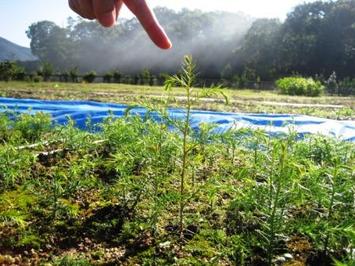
(75, 6)
(105, 11)
(86, 9)
(118, 5)
(149, 22)
(83, 8)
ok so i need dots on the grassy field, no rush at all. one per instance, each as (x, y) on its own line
(240, 100)
(138, 192)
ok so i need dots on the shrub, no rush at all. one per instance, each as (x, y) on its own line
(20, 75)
(74, 74)
(346, 87)
(64, 77)
(46, 71)
(332, 84)
(227, 72)
(117, 76)
(108, 77)
(10, 71)
(239, 81)
(14, 166)
(136, 80)
(152, 80)
(145, 77)
(36, 78)
(300, 86)
(90, 77)
(32, 127)
(162, 78)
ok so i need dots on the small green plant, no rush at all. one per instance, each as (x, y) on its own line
(15, 167)
(32, 127)
(72, 261)
(300, 86)
(185, 80)
(281, 176)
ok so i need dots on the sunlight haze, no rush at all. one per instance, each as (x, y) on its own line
(17, 15)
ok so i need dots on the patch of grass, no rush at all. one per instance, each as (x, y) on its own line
(246, 194)
(140, 192)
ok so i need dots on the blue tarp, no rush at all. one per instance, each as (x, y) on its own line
(80, 111)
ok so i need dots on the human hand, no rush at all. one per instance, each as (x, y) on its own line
(107, 11)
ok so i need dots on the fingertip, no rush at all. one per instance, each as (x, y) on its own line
(159, 37)
(166, 45)
(149, 22)
(161, 40)
(107, 19)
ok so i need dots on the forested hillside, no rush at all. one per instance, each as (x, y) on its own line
(316, 39)
(11, 51)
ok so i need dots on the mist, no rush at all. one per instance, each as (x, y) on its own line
(210, 37)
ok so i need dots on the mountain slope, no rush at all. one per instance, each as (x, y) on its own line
(14, 52)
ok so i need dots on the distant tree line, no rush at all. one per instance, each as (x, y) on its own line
(210, 38)
(316, 40)
(295, 85)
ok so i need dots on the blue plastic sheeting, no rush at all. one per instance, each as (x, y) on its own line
(274, 124)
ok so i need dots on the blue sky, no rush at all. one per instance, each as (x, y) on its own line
(17, 15)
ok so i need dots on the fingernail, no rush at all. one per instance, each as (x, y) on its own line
(169, 45)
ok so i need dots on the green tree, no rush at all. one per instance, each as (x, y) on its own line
(50, 43)
(10, 71)
(117, 76)
(46, 71)
(260, 48)
(301, 50)
(145, 76)
(74, 74)
(90, 77)
(108, 77)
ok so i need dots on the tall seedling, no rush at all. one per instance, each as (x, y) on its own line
(185, 80)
